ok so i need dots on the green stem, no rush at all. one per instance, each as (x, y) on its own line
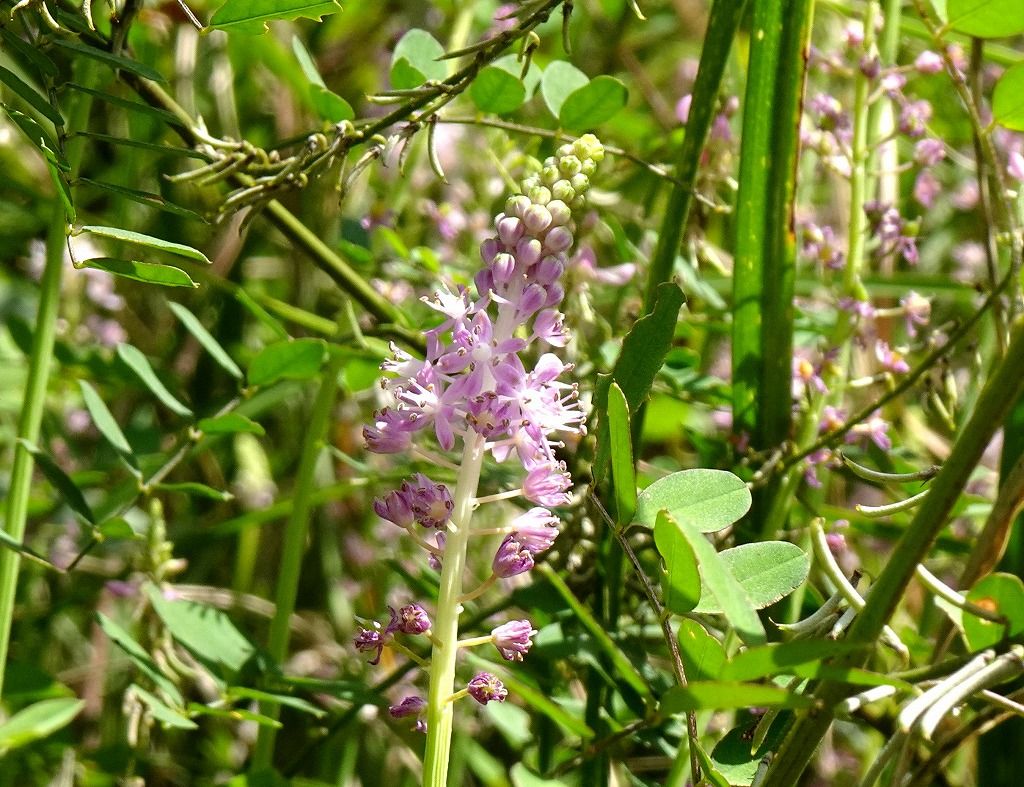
(33, 403)
(440, 712)
(295, 535)
(993, 405)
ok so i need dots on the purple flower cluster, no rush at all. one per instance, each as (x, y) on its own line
(473, 387)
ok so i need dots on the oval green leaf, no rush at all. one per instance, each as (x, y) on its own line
(707, 499)
(703, 654)
(164, 275)
(137, 362)
(289, 360)
(415, 60)
(497, 89)
(593, 104)
(560, 80)
(205, 338)
(681, 580)
(999, 593)
(38, 721)
(767, 571)
(986, 18)
(139, 239)
(1008, 98)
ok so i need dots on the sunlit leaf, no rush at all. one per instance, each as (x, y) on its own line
(110, 59)
(1002, 594)
(30, 96)
(148, 272)
(206, 339)
(415, 60)
(290, 360)
(162, 712)
(139, 239)
(722, 695)
(593, 104)
(767, 571)
(38, 721)
(139, 364)
(707, 499)
(251, 16)
(104, 419)
(230, 423)
(623, 475)
(681, 580)
(986, 18)
(498, 89)
(1008, 98)
(559, 81)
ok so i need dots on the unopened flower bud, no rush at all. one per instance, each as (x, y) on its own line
(928, 62)
(517, 205)
(580, 182)
(563, 190)
(394, 507)
(503, 267)
(485, 687)
(512, 558)
(549, 175)
(558, 240)
(569, 166)
(560, 213)
(412, 619)
(510, 230)
(409, 706)
(549, 270)
(513, 639)
(537, 218)
(539, 195)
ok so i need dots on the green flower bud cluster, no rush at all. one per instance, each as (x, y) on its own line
(565, 177)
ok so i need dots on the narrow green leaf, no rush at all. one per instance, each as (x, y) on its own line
(138, 107)
(60, 481)
(13, 544)
(642, 355)
(623, 474)
(718, 580)
(710, 772)
(251, 16)
(38, 721)
(60, 183)
(110, 59)
(230, 423)
(142, 660)
(559, 81)
(986, 18)
(150, 273)
(29, 53)
(415, 60)
(30, 96)
(104, 420)
(766, 571)
(206, 339)
(498, 89)
(291, 360)
(39, 137)
(154, 147)
(778, 658)
(241, 692)
(139, 364)
(204, 630)
(681, 580)
(149, 241)
(709, 500)
(195, 489)
(328, 105)
(703, 654)
(233, 714)
(1008, 98)
(306, 62)
(725, 695)
(143, 198)
(163, 713)
(593, 104)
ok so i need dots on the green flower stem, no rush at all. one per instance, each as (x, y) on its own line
(295, 535)
(998, 396)
(34, 400)
(441, 712)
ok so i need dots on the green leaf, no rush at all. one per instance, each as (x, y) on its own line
(116, 528)
(709, 770)
(148, 272)
(143, 198)
(724, 695)
(234, 714)
(110, 59)
(560, 80)
(204, 630)
(623, 474)
(415, 60)
(703, 654)
(38, 136)
(986, 18)
(140, 108)
(1000, 593)
(709, 500)
(38, 721)
(142, 660)
(498, 89)
(643, 353)
(230, 423)
(593, 104)
(241, 692)
(718, 580)
(251, 16)
(104, 420)
(766, 571)
(60, 481)
(681, 580)
(290, 360)
(32, 54)
(205, 338)
(778, 658)
(30, 96)
(733, 757)
(328, 105)
(163, 713)
(138, 363)
(149, 241)
(195, 489)
(1008, 98)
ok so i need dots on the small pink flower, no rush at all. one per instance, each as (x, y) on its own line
(513, 639)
